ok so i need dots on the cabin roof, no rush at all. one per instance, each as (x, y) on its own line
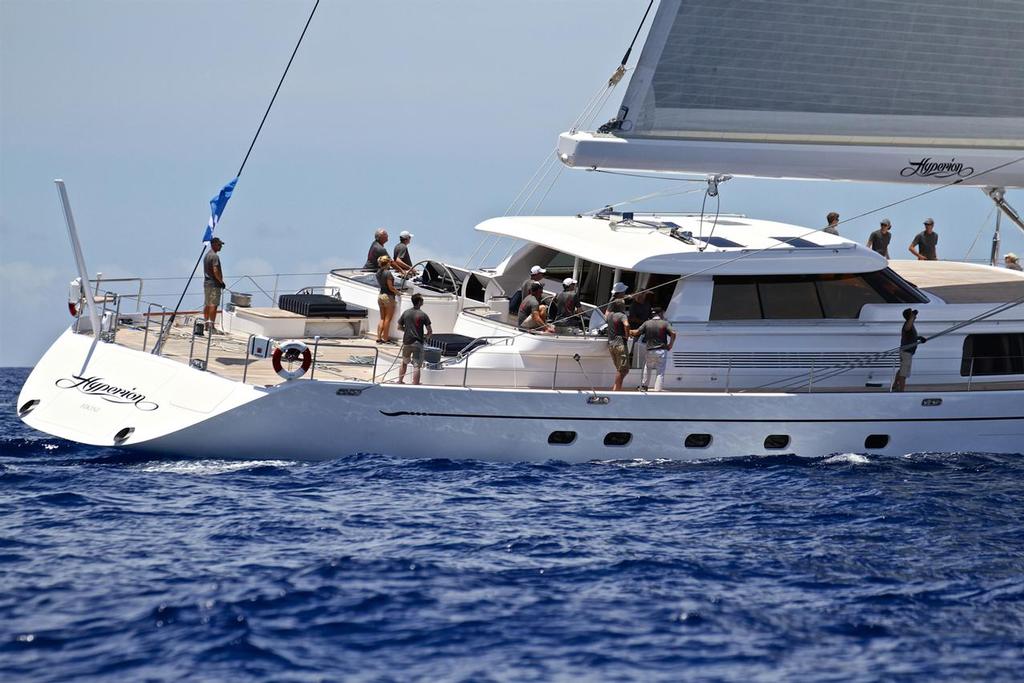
(653, 243)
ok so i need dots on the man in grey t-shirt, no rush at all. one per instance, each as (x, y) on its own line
(213, 284)
(659, 337)
(878, 241)
(926, 241)
(377, 249)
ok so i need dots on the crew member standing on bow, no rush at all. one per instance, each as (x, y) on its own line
(659, 338)
(213, 284)
(377, 249)
(401, 260)
(416, 326)
(926, 241)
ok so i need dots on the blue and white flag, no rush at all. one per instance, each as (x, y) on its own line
(217, 205)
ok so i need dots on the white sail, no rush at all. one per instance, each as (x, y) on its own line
(887, 90)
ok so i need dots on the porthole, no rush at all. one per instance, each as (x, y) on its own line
(697, 440)
(617, 438)
(561, 438)
(776, 441)
(123, 434)
(875, 441)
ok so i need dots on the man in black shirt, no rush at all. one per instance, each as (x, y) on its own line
(879, 239)
(926, 241)
(416, 325)
(909, 340)
(401, 260)
(536, 275)
(565, 307)
(377, 249)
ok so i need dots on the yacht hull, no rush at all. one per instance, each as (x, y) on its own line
(200, 415)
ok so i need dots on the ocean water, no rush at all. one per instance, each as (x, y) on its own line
(373, 568)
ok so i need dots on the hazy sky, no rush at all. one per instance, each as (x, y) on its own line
(426, 116)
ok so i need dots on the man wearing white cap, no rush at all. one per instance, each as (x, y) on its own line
(402, 262)
(565, 307)
(536, 275)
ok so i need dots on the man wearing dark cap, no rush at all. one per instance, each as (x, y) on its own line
(213, 284)
(909, 340)
(879, 239)
(926, 241)
(530, 313)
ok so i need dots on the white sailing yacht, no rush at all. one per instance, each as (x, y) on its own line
(788, 335)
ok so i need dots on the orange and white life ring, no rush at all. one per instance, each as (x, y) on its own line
(292, 351)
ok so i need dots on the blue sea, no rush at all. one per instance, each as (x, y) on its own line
(371, 568)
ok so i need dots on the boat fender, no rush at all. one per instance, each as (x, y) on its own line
(74, 296)
(292, 351)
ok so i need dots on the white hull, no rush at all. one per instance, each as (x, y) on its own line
(201, 415)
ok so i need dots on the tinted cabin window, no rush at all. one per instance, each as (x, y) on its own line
(842, 296)
(661, 292)
(993, 354)
(735, 299)
(794, 297)
(792, 300)
(776, 441)
(697, 440)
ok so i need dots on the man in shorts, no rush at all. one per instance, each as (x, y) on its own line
(213, 284)
(618, 333)
(909, 340)
(531, 316)
(659, 337)
(416, 325)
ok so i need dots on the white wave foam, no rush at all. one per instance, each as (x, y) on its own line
(208, 467)
(847, 459)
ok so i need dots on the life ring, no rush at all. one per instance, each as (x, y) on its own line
(291, 351)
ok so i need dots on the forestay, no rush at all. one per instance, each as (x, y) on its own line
(908, 90)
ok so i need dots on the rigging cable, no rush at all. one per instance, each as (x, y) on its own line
(590, 111)
(252, 144)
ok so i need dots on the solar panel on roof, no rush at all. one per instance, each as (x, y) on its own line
(798, 242)
(719, 242)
